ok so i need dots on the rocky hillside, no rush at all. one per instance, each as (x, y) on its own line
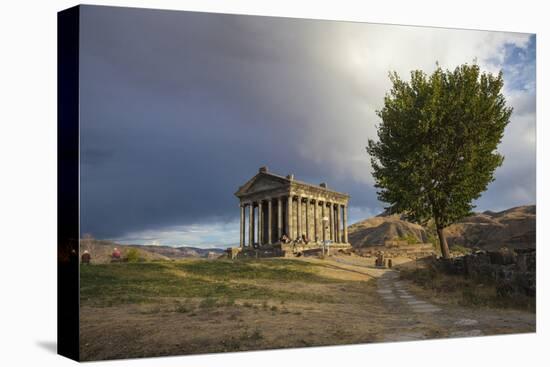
(376, 230)
(514, 228)
(101, 251)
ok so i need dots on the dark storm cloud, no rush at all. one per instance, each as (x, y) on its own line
(178, 109)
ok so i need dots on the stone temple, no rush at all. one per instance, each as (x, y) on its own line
(281, 216)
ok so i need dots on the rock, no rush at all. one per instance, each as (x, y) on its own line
(504, 256)
(513, 272)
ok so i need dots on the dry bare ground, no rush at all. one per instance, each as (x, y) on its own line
(209, 306)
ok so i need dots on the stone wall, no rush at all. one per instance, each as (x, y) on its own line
(514, 271)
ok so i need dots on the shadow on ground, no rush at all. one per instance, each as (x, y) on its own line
(48, 345)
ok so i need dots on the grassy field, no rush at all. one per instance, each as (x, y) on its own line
(161, 308)
(222, 281)
(201, 306)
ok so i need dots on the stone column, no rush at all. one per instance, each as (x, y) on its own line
(327, 214)
(279, 218)
(345, 208)
(323, 224)
(250, 224)
(289, 217)
(331, 213)
(269, 222)
(340, 227)
(241, 228)
(299, 217)
(307, 221)
(315, 221)
(337, 222)
(260, 224)
(336, 228)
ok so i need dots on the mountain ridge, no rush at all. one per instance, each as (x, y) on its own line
(101, 251)
(514, 227)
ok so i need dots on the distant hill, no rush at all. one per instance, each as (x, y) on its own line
(180, 252)
(376, 230)
(514, 228)
(101, 251)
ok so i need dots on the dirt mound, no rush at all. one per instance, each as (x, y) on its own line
(377, 230)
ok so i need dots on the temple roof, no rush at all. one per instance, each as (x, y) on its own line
(269, 180)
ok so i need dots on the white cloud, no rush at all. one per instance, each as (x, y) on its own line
(216, 234)
(361, 55)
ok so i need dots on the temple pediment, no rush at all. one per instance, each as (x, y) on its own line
(262, 182)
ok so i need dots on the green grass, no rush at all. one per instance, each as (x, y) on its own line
(409, 238)
(434, 240)
(280, 270)
(133, 255)
(218, 282)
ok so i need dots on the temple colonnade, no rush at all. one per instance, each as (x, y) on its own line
(264, 222)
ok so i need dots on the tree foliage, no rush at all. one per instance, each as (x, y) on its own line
(133, 255)
(436, 149)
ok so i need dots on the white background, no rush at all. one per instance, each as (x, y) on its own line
(28, 182)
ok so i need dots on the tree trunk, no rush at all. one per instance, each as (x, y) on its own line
(443, 243)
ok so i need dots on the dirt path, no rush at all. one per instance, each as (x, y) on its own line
(422, 319)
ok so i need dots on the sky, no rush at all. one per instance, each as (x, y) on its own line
(179, 109)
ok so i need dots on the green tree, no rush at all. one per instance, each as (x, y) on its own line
(436, 149)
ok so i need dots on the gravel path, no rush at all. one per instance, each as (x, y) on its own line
(394, 291)
(417, 318)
